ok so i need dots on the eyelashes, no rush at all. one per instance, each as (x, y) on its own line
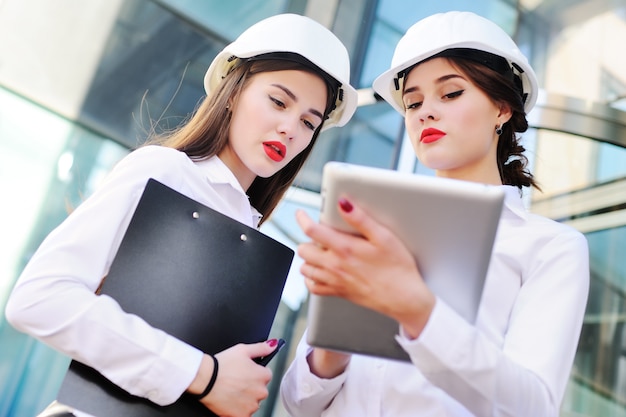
(454, 94)
(449, 96)
(309, 124)
(279, 103)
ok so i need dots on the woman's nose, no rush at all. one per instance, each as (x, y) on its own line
(426, 112)
(287, 126)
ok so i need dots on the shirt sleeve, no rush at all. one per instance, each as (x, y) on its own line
(527, 375)
(54, 300)
(304, 394)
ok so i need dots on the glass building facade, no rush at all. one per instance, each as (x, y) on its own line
(83, 83)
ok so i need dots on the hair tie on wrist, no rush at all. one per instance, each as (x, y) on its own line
(209, 386)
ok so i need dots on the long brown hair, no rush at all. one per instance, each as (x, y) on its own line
(512, 163)
(206, 132)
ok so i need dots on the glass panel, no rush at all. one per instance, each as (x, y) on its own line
(599, 374)
(404, 15)
(226, 18)
(592, 30)
(151, 72)
(59, 163)
(567, 165)
(611, 162)
(563, 162)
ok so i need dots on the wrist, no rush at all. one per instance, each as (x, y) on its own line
(414, 324)
(205, 378)
(327, 364)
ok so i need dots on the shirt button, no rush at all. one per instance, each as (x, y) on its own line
(152, 395)
(306, 388)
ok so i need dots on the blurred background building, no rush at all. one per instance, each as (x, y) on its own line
(83, 82)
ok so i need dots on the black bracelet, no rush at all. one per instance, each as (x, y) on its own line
(209, 386)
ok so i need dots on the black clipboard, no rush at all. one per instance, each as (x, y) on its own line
(195, 273)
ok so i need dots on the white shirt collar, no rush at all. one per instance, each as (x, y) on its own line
(513, 201)
(217, 172)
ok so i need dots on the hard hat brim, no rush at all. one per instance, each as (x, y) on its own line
(223, 63)
(306, 38)
(385, 85)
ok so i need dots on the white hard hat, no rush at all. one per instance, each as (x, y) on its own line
(454, 31)
(296, 34)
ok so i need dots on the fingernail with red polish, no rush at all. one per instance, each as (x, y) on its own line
(272, 342)
(345, 205)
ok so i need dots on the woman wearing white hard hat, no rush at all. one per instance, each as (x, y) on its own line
(464, 88)
(269, 95)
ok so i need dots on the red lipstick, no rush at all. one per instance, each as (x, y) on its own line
(431, 135)
(275, 150)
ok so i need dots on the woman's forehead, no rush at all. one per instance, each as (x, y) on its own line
(436, 70)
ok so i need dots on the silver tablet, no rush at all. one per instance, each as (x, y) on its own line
(449, 225)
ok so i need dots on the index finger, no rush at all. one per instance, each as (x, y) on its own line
(323, 235)
(361, 221)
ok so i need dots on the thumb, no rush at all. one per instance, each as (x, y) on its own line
(256, 350)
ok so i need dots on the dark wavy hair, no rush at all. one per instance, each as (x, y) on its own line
(512, 163)
(206, 132)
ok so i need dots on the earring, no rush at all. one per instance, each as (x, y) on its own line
(228, 107)
(499, 130)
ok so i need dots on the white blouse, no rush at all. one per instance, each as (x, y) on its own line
(515, 361)
(54, 301)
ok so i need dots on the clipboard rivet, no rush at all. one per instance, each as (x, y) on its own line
(243, 237)
(195, 215)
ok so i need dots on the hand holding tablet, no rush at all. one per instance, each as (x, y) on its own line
(448, 225)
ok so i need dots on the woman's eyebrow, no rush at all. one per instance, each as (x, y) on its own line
(294, 98)
(437, 81)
